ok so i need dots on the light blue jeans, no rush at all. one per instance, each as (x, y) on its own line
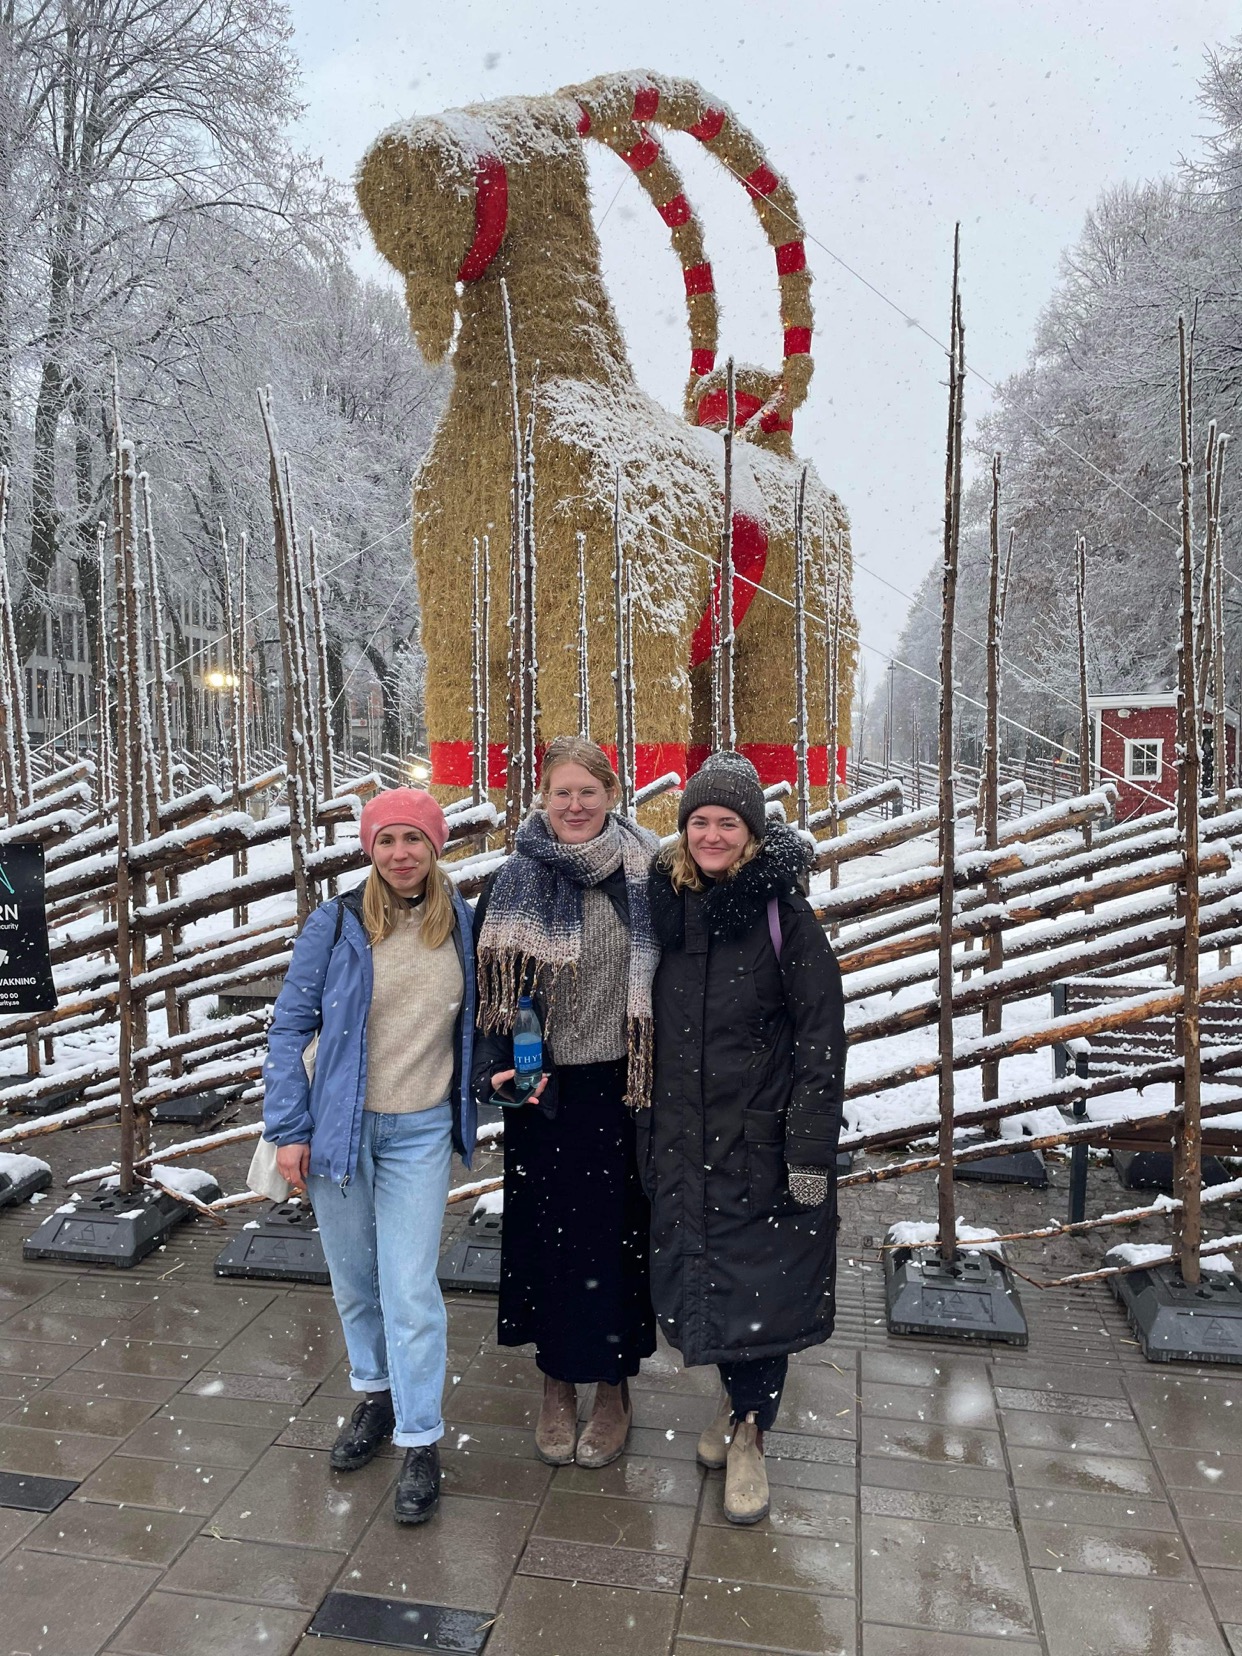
(381, 1239)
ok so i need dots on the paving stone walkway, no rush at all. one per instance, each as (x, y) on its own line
(1065, 1500)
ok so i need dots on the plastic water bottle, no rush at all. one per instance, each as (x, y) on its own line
(527, 1049)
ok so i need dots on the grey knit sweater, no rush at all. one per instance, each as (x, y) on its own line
(590, 1016)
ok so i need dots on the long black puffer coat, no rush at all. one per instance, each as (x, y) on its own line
(749, 1071)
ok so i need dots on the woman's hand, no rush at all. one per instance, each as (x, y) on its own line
(501, 1076)
(293, 1163)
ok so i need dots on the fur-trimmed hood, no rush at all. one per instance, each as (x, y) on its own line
(734, 906)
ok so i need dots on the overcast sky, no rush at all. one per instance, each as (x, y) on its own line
(891, 121)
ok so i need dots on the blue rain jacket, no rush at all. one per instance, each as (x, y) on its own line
(327, 992)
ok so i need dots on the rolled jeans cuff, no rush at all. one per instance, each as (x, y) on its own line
(419, 1440)
(369, 1386)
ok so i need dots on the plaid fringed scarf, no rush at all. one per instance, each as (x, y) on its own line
(533, 928)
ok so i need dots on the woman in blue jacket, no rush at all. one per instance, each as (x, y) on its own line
(384, 976)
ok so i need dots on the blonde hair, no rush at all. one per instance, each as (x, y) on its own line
(686, 875)
(382, 907)
(579, 750)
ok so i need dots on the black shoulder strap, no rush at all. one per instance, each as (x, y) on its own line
(340, 921)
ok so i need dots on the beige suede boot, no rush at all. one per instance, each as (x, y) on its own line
(713, 1448)
(746, 1477)
(556, 1434)
(603, 1436)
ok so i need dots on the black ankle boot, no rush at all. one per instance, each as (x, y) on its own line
(370, 1426)
(418, 1487)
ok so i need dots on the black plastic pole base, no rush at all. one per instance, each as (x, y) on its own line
(1153, 1169)
(472, 1263)
(1177, 1324)
(284, 1246)
(971, 1299)
(196, 1110)
(46, 1103)
(1023, 1167)
(21, 1177)
(111, 1229)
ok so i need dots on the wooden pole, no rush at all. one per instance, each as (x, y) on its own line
(242, 912)
(327, 755)
(989, 781)
(833, 691)
(243, 652)
(235, 659)
(1188, 1141)
(530, 648)
(1220, 733)
(165, 885)
(485, 672)
(621, 664)
(8, 643)
(1084, 715)
(307, 722)
(946, 1206)
(144, 820)
(804, 779)
(478, 765)
(293, 736)
(159, 643)
(631, 698)
(514, 775)
(11, 688)
(1205, 616)
(103, 698)
(584, 660)
(726, 733)
(129, 1147)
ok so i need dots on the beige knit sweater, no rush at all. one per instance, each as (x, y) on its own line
(414, 1003)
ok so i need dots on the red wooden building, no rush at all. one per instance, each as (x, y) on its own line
(1134, 744)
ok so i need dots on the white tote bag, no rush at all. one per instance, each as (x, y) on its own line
(262, 1176)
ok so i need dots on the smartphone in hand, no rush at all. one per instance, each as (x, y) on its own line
(504, 1091)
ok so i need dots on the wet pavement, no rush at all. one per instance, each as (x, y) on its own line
(927, 1499)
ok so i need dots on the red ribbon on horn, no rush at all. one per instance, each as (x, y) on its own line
(491, 216)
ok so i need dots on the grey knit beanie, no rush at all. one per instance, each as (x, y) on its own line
(730, 781)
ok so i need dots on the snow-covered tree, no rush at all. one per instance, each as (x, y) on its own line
(1089, 434)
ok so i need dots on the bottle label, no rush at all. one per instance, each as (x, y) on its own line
(527, 1054)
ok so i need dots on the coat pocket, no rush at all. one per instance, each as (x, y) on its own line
(767, 1186)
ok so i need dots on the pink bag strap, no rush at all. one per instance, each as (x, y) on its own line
(774, 926)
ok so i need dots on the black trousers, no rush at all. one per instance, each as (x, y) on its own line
(755, 1387)
(573, 1264)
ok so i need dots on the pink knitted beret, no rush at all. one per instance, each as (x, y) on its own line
(404, 807)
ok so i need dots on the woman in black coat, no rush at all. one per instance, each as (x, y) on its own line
(738, 1150)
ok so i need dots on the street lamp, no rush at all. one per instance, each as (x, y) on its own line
(217, 680)
(419, 772)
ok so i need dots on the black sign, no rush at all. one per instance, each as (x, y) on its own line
(25, 963)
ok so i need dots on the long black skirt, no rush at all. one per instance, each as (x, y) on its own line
(573, 1265)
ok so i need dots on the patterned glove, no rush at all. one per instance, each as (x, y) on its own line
(808, 1186)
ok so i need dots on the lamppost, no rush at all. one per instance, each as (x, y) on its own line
(220, 683)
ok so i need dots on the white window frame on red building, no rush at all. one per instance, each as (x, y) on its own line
(1133, 742)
